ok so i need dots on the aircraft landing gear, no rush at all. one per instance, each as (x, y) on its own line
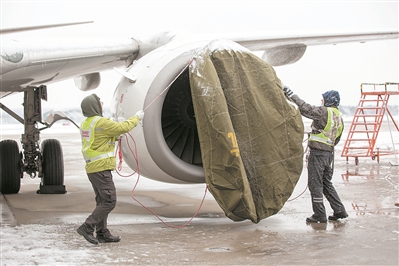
(47, 162)
(52, 168)
(10, 167)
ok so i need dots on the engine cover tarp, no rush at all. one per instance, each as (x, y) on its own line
(250, 135)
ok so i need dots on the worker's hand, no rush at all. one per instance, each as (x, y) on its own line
(287, 91)
(140, 114)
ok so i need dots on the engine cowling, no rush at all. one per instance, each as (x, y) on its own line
(284, 54)
(166, 140)
(88, 82)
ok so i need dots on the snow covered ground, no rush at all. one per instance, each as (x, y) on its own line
(59, 244)
(44, 244)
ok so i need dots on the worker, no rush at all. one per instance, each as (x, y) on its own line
(327, 127)
(98, 144)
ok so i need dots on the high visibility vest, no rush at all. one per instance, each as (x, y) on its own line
(87, 133)
(332, 130)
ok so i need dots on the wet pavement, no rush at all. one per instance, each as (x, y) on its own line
(369, 236)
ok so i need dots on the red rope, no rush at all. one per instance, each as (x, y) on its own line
(135, 155)
(305, 152)
(119, 168)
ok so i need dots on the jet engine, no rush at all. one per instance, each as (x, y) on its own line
(166, 141)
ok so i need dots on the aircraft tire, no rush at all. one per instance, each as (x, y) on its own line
(10, 167)
(53, 163)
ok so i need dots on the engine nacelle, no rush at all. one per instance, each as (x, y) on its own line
(284, 55)
(88, 82)
(166, 140)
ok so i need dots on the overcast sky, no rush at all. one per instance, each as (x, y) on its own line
(341, 67)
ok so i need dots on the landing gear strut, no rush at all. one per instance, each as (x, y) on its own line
(47, 162)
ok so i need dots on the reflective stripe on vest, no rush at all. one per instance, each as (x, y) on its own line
(87, 133)
(332, 129)
(101, 156)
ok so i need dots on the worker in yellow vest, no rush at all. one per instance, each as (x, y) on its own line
(98, 144)
(327, 127)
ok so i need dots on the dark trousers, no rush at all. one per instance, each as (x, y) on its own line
(319, 182)
(105, 192)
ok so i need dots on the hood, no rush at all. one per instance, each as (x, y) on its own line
(331, 98)
(91, 106)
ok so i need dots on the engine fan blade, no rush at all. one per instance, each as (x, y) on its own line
(178, 122)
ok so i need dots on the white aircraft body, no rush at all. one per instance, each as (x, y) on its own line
(154, 79)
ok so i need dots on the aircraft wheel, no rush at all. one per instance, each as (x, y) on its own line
(10, 167)
(53, 163)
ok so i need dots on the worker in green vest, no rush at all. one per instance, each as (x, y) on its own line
(98, 144)
(327, 127)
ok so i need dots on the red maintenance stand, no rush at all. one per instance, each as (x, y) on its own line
(367, 120)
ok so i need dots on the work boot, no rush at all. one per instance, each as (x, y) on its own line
(103, 239)
(315, 219)
(336, 216)
(83, 231)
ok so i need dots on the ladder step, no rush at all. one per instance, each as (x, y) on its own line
(357, 148)
(354, 152)
(372, 100)
(368, 115)
(354, 155)
(370, 108)
(362, 131)
(365, 123)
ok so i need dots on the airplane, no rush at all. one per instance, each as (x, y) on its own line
(153, 72)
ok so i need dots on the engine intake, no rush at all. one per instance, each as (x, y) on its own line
(167, 142)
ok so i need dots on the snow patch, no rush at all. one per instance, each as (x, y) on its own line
(38, 244)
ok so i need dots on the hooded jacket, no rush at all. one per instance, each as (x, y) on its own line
(319, 115)
(105, 131)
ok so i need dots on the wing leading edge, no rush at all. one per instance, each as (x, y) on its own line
(258, 43)
(21, 29)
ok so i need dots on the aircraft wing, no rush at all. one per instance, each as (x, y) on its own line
(27, 64)
(259, 44)
(280, 51)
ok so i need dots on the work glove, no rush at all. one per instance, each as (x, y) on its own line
(140, 114)
(287, 91)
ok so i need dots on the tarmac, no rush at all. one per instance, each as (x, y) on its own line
(169, 235)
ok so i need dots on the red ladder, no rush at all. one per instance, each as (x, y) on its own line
(367, 120)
